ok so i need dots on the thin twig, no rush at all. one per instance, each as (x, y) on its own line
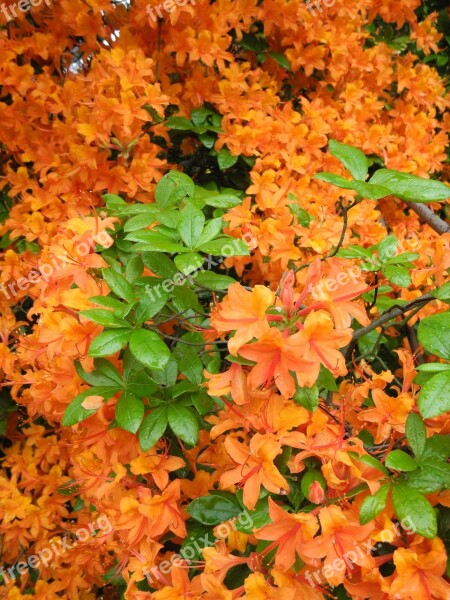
(392, 313)
(430, 218)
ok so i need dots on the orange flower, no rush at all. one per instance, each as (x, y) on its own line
(244, 312)
(288, 532)
(322, 342)
(255, 467)
(420, 571)
(276, 354)
(389, 413)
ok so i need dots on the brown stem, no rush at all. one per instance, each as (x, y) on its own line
(427, 215)
(392, 313)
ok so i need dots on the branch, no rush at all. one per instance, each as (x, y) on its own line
(427, 215)
(392, 313)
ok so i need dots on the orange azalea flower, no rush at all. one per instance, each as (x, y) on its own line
(322, 342)
(420, 571)
(255, 467)
(276, 354)
(244, 312)
(288, 532)
(389, 413)
(339, 535)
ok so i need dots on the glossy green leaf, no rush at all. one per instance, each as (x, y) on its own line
(129, 412)
(416, 433)
(149, 349)
(352, 158)
(434, 397)
(400, 461)
(109, 342)
(118, 284)
(373, 505)
(410, 505)
(153, 427)
(410, 187)
(183, 423)
(214, 509)
(434, 334)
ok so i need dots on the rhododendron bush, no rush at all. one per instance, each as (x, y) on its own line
(224, 300)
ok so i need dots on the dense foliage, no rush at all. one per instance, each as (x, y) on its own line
(224, 293)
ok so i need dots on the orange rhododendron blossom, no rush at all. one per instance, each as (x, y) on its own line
(276, 355)
(322, 342)
(419, 572)
(255, 468)
(389, 413)
(340, 534)
(244, 312)
(289, 532)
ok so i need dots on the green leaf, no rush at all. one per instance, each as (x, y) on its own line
(189, 262)
(160, 264)
(120, 309)
(180, 123)
(387, 248)
(433, 367)
(129, 412)
(214, 509)
(371, 461)
(225, 159)
(434, 397)
(183, 423)
(397, 275)
(134, 268)
(109, 342)
(104, 373)
(410, 187)
(118, 284)
(173, 187)
(400, 461)
(416, 433)
(185, 299)
(149, 349)
(442, 293)
(141, 221)
(369, 190)
(326, 380)
(434, 334)
(411, 505)
(225, 246)
(373, 505)
(152, 241)
(223, 200)
(352, 158)
(308, 397)
(432, 476)
(212, 281)
(151, 303)
(191, 225)
(437, 447)
(254, 519)
(280, 59)
(355, 252)
(153, 427)
(104, 317)
(211, 230)
(189, 363)
(336, 180)
(75, 413)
